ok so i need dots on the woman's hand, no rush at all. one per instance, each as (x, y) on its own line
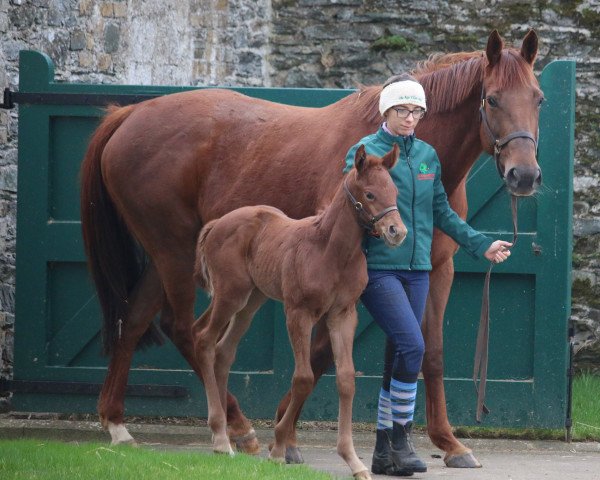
(498, 251)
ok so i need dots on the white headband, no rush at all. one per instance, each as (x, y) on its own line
(400, 93)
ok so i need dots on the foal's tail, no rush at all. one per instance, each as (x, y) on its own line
(201, 272)
(114, 259)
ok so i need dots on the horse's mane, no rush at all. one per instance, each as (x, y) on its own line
(451, 78)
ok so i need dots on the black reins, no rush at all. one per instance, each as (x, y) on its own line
(365, 219)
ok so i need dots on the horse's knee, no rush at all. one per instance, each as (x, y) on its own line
(302, 384)
(345, 380)
(433, 362)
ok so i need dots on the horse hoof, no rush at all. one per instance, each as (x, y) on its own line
(293, 455)
(224, 451)
(277, 459)
(362, 475)
(119, 434)
(247, 443)
(466, 460)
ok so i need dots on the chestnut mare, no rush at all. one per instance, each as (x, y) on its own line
(316, 267)
(157, 171)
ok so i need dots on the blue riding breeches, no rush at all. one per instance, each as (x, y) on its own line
(396, 301)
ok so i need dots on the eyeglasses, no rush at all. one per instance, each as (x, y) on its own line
(417, 113)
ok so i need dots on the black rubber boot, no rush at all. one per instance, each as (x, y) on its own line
(403, 450)
(382, 463)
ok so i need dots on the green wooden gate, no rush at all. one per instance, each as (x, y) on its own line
(58, 366)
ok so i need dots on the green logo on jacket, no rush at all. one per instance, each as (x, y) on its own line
(423, 168)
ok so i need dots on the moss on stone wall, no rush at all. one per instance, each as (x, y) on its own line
(566, 8)
(585, 293)
(393, 42)
(591, 19)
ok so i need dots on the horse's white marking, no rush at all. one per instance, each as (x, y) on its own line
(119, 434)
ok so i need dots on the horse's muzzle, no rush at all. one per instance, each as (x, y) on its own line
(394, 235)
(522, 181)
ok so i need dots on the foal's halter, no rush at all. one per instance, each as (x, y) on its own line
(365, 219)
(499, 143)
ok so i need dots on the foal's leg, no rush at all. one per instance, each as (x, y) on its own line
(321, 357)
(438, 427)
(144, 302)
(299, 325)
(240, 428)
(341, 332)
(228, 344)
(224, 306)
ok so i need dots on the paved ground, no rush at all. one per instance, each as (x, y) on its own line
(501, 459)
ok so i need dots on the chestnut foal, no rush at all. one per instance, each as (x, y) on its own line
(316, 267)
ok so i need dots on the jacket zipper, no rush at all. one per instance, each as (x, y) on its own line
(412, 209)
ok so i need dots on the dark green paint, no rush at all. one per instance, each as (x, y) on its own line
(58, 319)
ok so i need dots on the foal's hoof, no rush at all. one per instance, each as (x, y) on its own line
(466, 460)
(223, 450)
(247, 443)
(362, 475)
(293, 455)
(280, 460)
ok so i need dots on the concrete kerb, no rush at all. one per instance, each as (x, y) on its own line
(502, 459)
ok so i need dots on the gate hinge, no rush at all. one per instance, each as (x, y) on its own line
(7, 100)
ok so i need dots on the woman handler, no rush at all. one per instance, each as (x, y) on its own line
(399, 278)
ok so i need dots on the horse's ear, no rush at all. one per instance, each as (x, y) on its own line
(390, 158)
(494, 48)
(530, 47)
(360, 159)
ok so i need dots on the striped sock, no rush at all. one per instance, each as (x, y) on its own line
(403, 397)
(384, 410)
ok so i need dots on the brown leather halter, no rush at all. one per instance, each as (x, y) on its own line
(499, 143)
(365, 219)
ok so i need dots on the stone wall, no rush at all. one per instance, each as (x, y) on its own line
(299, 43)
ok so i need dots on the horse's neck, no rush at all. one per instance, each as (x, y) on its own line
(455, 137)
(338, 225)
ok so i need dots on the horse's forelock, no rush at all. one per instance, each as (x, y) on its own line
(513, 71)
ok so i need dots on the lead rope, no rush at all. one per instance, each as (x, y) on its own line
(483, 334)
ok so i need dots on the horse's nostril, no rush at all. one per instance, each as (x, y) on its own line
(393, 230)
(513, 174)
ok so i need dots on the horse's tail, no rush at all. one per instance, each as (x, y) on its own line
(201, 271)
(114, 259)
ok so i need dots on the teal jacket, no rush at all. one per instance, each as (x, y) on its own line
(422, 202)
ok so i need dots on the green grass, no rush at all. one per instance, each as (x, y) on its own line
(586, 407)
(44, 460)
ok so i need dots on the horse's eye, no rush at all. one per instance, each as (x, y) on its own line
(492, 101)
(370, 196)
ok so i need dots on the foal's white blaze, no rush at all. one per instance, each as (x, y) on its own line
(119, 434)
